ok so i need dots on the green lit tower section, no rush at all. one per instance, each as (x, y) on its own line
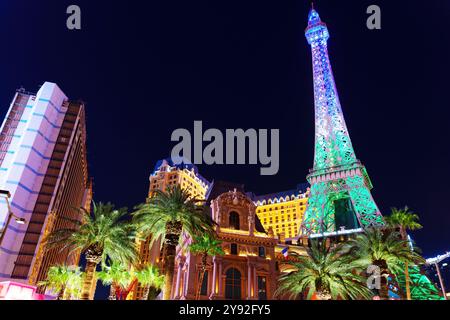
(340, 197)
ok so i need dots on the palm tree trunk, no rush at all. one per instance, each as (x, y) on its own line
(199, 285)
(153, 293)
(173, 231)
(145, 292)
(61, 293)
(323, 295)
(112, 292)
(407, 278)
(169, 265)
(201, 276)
(384, 290)
(89, 278)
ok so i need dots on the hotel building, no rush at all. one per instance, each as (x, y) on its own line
(43, 166)
(253, 253)
(283, 211)
(168, 174)
(247, 270)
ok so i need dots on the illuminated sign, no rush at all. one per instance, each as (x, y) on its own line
(18, 291)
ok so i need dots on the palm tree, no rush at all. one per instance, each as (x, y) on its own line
(404, 220)
(63, 279)
(149, 277)
(57, 278)
(323, 273)
(166, 216)
(114, 275)
(105, 233)
(120, 279)
(382, 248)
(205, 245)
(75, 283)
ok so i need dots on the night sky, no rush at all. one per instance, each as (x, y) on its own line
(147, 68)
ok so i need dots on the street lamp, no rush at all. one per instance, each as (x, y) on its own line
(18, 220)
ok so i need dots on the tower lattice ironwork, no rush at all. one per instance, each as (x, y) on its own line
(340, 187)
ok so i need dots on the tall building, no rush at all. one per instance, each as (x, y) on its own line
(283, 211)
(43, 166)
(340, 195)
(168, 174)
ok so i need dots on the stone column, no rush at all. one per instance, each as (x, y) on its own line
(255, 284)
(213, 291)
(185, 283)
(249, 281)
(219, 277)
(177, 286)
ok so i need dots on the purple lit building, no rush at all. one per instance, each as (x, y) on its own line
(43, 166)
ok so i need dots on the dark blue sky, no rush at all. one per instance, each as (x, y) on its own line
(147, 68)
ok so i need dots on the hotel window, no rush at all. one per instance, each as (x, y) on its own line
(233, 220)
(261, 252)
(233, 284)
(262, 288)
(234, 248)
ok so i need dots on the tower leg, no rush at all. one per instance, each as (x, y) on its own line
(329, 202)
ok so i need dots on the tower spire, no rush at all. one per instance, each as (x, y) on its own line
(340, 187)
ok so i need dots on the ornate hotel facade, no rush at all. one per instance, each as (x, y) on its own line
(247, 270)
(251, 264)
(43, 166)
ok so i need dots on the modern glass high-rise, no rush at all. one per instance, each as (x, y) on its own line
(43, 165)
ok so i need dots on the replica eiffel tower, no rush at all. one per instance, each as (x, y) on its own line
(340, 195)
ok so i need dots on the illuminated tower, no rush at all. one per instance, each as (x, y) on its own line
(340, 187)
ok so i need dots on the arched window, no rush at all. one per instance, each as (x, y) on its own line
(234, 220)
(233, 284)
